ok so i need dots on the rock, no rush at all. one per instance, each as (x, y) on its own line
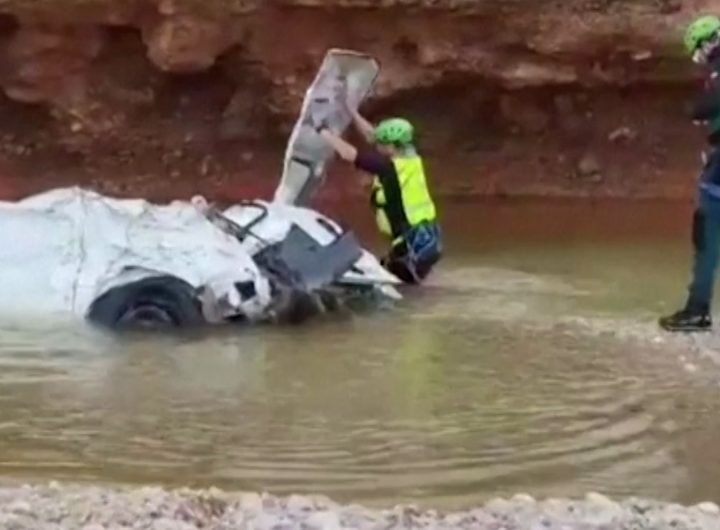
(299, 504)
(251, 502)
(266, 521)
(589, 167)
(643, 55)
(44, 61)
(498, 505)
(455, 520)
(690, 368)
(321, 502)
(599, 499)
(185, 43)
(323, 521)
(20, 507)
(523, 498)
(709, 507)
(622, 133)
(205, 166)
(172, 524)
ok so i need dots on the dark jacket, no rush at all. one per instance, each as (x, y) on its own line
(707, 111)
(707, 106)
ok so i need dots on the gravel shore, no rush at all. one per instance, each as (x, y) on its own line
(58, 506)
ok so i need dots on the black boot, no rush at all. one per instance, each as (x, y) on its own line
(688, 319)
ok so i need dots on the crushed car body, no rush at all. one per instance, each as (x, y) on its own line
(121, 262)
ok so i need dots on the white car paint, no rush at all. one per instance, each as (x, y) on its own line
(62, 249)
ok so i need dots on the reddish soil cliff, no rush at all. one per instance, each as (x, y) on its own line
(511, 97)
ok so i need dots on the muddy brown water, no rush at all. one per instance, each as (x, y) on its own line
(530, 363)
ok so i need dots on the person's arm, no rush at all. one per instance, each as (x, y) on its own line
(363, 126)
(345, 150)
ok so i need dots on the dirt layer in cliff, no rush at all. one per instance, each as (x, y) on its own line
(108, 118)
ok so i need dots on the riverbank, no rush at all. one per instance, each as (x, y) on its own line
(59, 506)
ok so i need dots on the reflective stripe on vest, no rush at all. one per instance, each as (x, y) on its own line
(417, 202)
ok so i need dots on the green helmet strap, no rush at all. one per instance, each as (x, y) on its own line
(394, 131)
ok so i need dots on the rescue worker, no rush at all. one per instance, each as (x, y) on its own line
(404, 208)
(702, 41)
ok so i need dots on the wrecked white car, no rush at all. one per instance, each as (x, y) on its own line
(127, 262)
(120, 262)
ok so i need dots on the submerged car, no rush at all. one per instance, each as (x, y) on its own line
(124, 262)
(127, 262)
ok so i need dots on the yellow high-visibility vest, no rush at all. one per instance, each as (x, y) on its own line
(416, 199)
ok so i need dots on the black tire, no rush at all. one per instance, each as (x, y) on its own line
(157, 302)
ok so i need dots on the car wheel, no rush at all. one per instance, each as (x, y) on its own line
(152, 303)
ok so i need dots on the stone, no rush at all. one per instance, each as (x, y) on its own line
(523, 498)
(323, 521)
(498, 505)
(589, 166)
(266, 521)
(454, 519)
(251, 502)
(171, 524)
(709, 508)
(690, 368)
(598, 499)
(622, 133)
(298, 504)
(43, 62)
(20, 507)
(643, 55)
(185, 43)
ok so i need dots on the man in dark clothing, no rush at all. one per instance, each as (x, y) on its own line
(416, 248)
(404, 208)
(702, 41)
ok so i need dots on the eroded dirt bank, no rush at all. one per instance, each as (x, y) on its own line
(166, 98)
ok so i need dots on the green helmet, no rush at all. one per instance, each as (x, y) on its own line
(394, 131)
(701, 30)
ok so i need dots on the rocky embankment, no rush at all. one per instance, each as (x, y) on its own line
(165, 98)
(94, 508)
